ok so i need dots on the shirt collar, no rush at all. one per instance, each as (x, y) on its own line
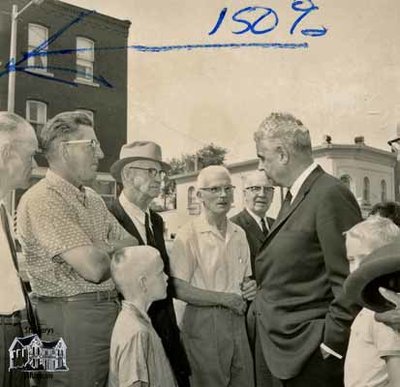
(203, 226)
(295, 188)
(65, 187)
(256, 217)
(133, 209)
(134, 309)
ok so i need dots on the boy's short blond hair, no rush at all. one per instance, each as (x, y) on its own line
(374, 232)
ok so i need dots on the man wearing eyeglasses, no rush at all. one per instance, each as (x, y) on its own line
(140, 169)
(258, 194)
(210, 264)
(68, 237)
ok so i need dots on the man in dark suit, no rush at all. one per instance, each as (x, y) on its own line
(302, 317)
(258, 194)
(140, 169)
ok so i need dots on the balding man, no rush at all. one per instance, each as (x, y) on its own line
(303, 318)
(18, 145)
(258, 194)
(137, 356)
(210, 264)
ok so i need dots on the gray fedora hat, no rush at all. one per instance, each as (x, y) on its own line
(137, 150)
(381, 268)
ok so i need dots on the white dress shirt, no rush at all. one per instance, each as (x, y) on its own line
(11, 295)
(136, 214)
(295, 188)
(203, 257)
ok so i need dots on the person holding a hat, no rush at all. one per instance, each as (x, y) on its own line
(390, 317)
(373, 356)
(140, 170)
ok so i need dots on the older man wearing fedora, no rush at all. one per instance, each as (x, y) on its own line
(140, 169)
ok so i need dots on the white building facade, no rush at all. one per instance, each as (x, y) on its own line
(368, 172)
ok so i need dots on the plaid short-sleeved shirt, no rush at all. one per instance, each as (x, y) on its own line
(53, 217)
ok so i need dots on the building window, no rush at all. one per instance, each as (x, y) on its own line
(383, 191)
(366, 191)
(346, 180)
(37, 35)
(36, 114)
(90, 113)
(84, 59)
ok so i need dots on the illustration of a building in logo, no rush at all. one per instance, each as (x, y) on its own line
(32, 354)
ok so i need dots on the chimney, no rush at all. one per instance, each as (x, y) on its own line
(359, 140)
(327, 139)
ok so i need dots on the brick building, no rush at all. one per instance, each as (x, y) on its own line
(92, 78)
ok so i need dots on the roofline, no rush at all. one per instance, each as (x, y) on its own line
(67, 7)
(317, 149)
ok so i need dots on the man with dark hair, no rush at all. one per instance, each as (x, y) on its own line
(389, 210)
(140, 169)
(18, 145)
(68, 235)
(302, 316)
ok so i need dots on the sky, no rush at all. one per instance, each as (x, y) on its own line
(345, 84)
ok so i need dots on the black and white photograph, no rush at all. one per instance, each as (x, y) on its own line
(199, 193)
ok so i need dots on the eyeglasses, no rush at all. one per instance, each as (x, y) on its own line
(93, 143)
(218, 190)
(258, 189)
(153, 172)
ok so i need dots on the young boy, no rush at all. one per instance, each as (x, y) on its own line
(137, 357)
(373, 356)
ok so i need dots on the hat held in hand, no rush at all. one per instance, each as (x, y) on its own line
(381, 268)
(137, 150)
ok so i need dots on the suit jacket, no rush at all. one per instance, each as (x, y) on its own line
(300, 271)
(161, 312)
(255, 236)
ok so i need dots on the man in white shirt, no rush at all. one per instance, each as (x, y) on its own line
(18, 144)
(303, 318)
(210, 264)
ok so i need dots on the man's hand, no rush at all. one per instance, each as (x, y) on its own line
(249, 289)
(234, 302)
(391, 317)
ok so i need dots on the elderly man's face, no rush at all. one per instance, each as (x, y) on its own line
(21, 162)
(270, 160)
(83, 153)
(216, 193)
(144, 176)
(258, 194)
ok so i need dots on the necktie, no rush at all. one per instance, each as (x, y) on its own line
(149, 233)
(264, 227)
(29, 309)
(285, 206)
